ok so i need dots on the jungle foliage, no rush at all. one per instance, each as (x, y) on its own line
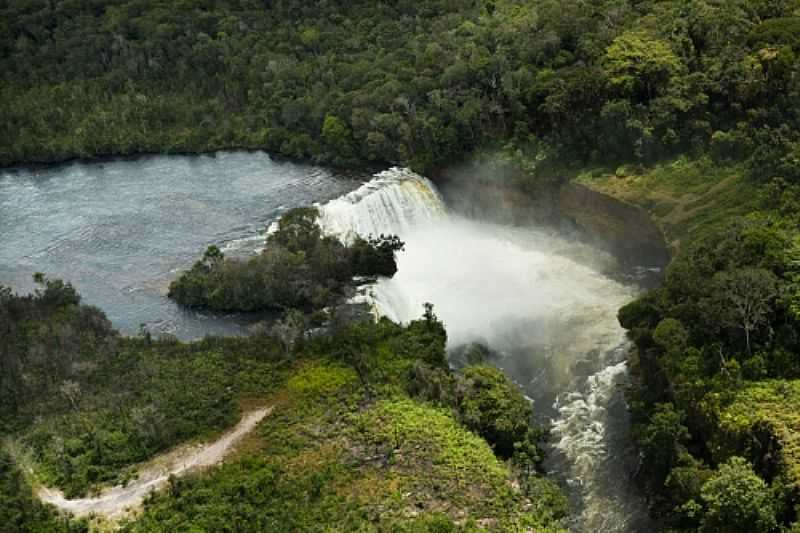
(419, 83)
(351, 441)
(716, 369)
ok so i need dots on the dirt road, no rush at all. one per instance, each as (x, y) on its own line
(115, 501)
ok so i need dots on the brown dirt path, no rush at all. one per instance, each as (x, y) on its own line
(154, 475)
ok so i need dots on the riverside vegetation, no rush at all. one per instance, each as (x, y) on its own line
(370, 428)
(688, 108)
(716, 364)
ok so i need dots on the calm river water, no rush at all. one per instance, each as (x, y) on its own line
(121, 230)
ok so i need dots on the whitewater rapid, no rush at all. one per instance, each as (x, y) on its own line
(522, 292)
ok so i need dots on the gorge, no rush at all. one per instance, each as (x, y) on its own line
(545, 305)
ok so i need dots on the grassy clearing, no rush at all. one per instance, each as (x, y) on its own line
(335, 456)
(685, 197)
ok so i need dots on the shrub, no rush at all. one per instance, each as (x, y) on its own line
(736, 496)
(492, 406)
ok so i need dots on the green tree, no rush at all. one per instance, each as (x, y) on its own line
(376, 255)
(297, 230)
(671, 336)
(737, 498)
(426, 339)
(492, 405)
(310, 37)
(662, 443)
(640, 64)
(338, 139)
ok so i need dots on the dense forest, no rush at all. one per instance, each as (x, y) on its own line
(420, 83)
(716, 367)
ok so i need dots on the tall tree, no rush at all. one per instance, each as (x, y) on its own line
(746, 297)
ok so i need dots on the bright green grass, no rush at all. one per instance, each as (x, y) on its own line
(335, 457)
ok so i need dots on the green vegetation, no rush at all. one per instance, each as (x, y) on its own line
(299, 269)
(332, 462)
(21, 511)
(349, 451)
(45, 336)
(716, 364)
(89, 403)
(494, 408)
(420, 83)
(716, 361)
(686, 197)
(692, 105)
(736, 496)
(355, 442)
(173, 395)
(766, 410)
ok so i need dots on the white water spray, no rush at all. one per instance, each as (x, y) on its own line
(553, 318)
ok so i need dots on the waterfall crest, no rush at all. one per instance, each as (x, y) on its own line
(391, 203)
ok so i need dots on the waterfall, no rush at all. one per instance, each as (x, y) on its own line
(521, 291)
(392, 202)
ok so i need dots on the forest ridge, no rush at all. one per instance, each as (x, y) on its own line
(418, 83)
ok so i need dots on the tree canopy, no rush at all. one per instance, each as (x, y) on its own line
(418, 83)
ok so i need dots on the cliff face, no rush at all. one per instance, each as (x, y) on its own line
(623, 229)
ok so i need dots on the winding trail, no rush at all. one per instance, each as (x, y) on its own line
(115, 501)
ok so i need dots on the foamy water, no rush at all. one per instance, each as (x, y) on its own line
(121, 230)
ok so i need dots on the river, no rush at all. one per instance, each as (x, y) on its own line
(120, 230)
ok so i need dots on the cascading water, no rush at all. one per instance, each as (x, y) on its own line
(395, 201)
(552, 319)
